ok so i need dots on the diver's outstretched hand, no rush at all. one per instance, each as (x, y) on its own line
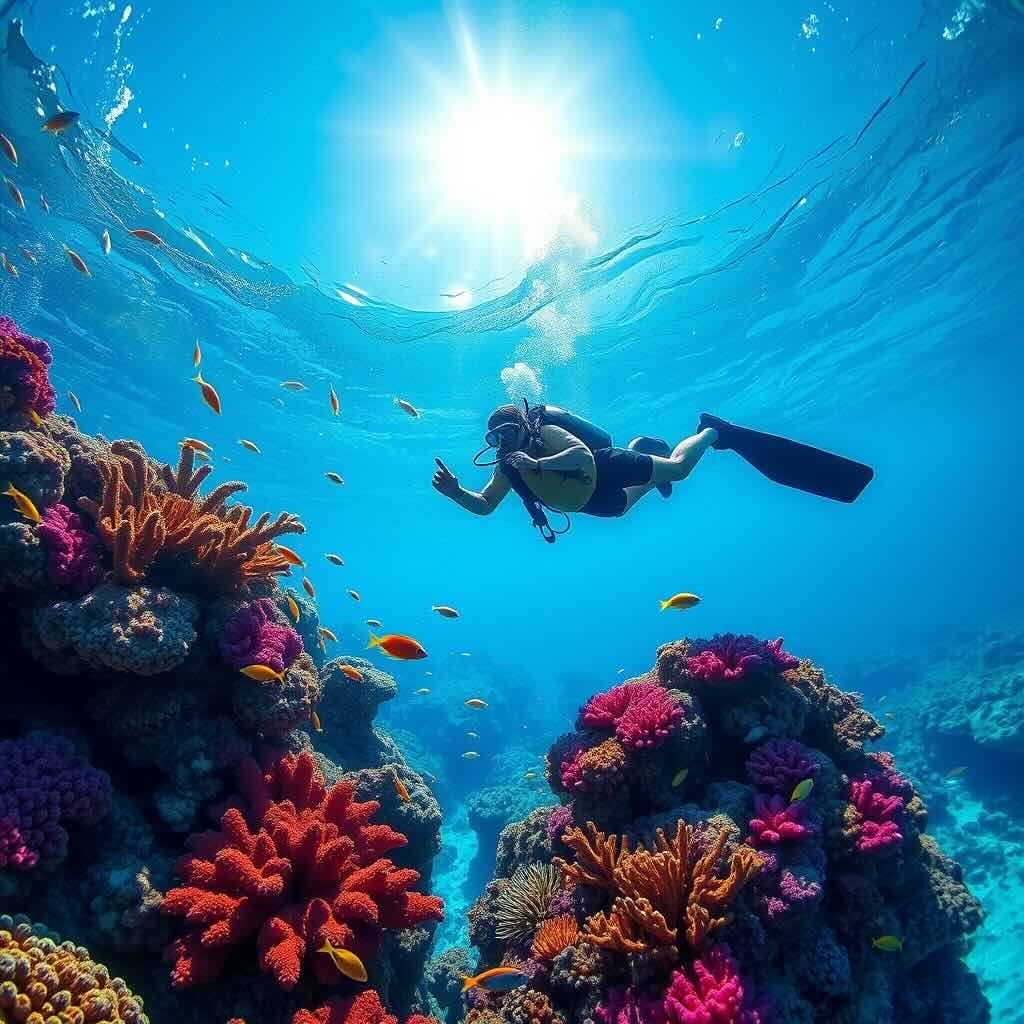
(445, 480)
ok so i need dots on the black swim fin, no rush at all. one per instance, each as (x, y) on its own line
(653, 446)
(792, 463)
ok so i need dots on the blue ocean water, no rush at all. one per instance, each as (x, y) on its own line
(806, 218)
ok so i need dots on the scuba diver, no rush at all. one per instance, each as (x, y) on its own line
(557, 461)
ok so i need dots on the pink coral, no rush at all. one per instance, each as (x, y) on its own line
(73, 555)
(712, 991)
(595, 769)
(252, 637)
(642, 714)
(777, 821)
(624, 1006)
(24, 375)
(874, 816)
(779, 765)
(728, 657)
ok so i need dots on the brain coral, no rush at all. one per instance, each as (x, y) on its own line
(34, 464)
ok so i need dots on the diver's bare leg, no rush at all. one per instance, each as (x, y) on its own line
(685, 456)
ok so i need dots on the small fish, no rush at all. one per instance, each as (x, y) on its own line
(497, 979)
(888, 943)
(423, 691)
(758, 732)
(398, 646)
(472, 735)
(293, 385)
(197, 355)
(249, 445)
(375, 623)
(354, 594)
(9, 266)
(28, 254)
(348, 963)
(476, 702)
(530, 776)
(680, 776)
(470, 755)
(293, 607)
(428, 672)
(19, 199)
(8, 147)
(289, 556)
(36, 419)
(23, 503)
(955, 773)
(262, 673)
(335, 559)
(335, 404)
(680, 602)
(315, 720)
(210, 396)
(335, 478)
(465, 654)
(400, 788)
(145, 235)
(801, 791)
(77, 262)
(444, 611)
(60, 122)
(883, 699)
(351, 672)
(619, 671)
(308, 588)
(43, 203)
(105, 242)
(408, 408)
(890, 716)
(73, 399)
(195, 444)
(328, 634)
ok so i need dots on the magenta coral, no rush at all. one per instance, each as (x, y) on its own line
(597, 769)
(73, 555)
(252, 637)
(24, 375)
(44, 784)
(874, 816)
(777, 821)
(712, 991)
(560, 818)
(624, 1006)
(728, 657)
(642, 714)
(779, 765)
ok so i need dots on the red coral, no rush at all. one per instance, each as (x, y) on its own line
(777, 821)
(728, 657)
(365, 1008)
(642, 714)
(302, 864)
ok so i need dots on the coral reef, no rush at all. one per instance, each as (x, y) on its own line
(73, 559)
(252, 636)
(24, 373)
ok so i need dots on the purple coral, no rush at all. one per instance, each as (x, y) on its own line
(728, 657)
(560, 818)
(24, 375)
(789, 885)
(712, 991)
(779, 765)
(625, 1006)
(642, 714)
(44, 783)
(252, 637)
(777, 821)
(874, 815)
(74, 558)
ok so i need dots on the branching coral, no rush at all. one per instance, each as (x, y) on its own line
(642, 714)
(44, 980)
(524, 901)
(73, 558)
(297, 865)
(554, 935)
(253, 636)
(158, 522)
(777, 820)
(728, 657)
(597, 856)
(712, 991)
(24, 372)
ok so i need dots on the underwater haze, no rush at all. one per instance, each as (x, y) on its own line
(802, 217)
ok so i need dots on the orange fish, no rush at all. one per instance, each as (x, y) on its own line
(352, 673)
(8, 147)
(315, 720)
(308, 588)
(289, 556)
(146, 235)
(262, 673)
(476, 702)
(400, 788)
(249, 446)
(60, 122)
(210, 396)
(444, 611)
(335, 404)
(395, 645)
(497, 979)
(293, 607)
(77, 262)
(408, 408)
(19, 199)
(328, 634)
(195, 444)
(197, 356)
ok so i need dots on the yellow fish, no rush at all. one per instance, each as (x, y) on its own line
(335, 559)
(680, 776)
(423, 691)
(262, 673)
(315, 720)
(308, 588)
(328, 634)
(801, 790)
(293, 385)
(680, 602)
(36, 419)
(888, 943)
(335, 404)
(470, 755)
(209, 393)
(105, 242)
(23, 503)
(335, 478)
(408, 408)
(73, 399)
(351, 672)
(289, 556)
(9, 266)
(348, 963)
(354, 594)
(293, 607)
(444, 611)
(77, 262)
(8, 147)
(476, 702)
(249, 445)
(497, 979)
(19, 199)
(197, 355)
(195, 444)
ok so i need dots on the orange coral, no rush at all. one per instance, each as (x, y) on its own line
(661, 897)
(597, 856)
(554, 935)
(148, 519)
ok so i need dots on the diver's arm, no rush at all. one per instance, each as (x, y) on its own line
(574, 455)
(480, 504)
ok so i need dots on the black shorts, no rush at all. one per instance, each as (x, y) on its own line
(617, 469)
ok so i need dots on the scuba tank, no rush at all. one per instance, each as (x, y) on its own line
(551, 415)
